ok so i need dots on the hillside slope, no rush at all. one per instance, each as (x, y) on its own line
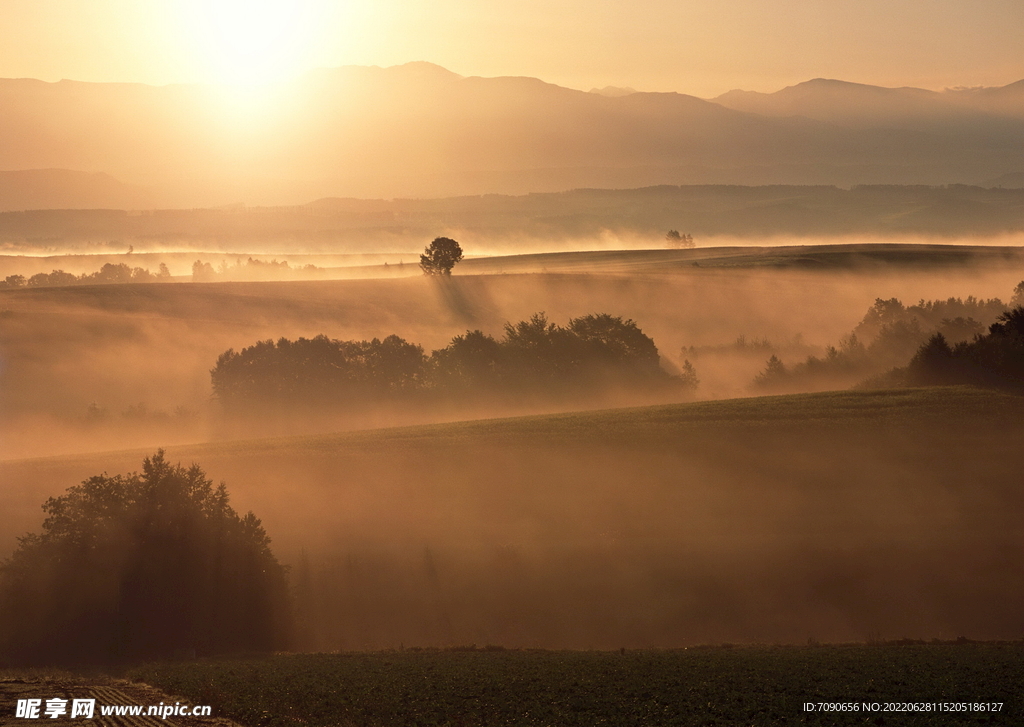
(839, 516)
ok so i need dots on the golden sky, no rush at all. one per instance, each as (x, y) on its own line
(692, 46)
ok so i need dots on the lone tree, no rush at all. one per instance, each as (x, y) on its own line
(440, 256)
(149, 566)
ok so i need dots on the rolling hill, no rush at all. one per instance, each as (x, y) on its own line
(839, 516)
(90, 367)
(858, 105)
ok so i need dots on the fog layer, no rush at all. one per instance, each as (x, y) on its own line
(102, 367)
(832, 517)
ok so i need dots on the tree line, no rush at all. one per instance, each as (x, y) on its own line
(953, 341)
(994, 359)
(534, 357)
(888, 336)
(251, 269)
(109, 273)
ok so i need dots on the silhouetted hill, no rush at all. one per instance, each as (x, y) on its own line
(34, 189)
(1008, 100)
(618, 217)
(857, 104)
(849, 104)
(419, 130)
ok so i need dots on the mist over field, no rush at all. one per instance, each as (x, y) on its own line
(323, 231)
(834, 517)
(92, 367)
(568, 442)
(360, 366)
(846, 517)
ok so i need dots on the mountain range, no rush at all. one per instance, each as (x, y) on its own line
(419, 130)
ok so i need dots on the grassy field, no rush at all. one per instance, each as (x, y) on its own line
(832, 256)
(835, 257)
(840, 517)
(699, 686)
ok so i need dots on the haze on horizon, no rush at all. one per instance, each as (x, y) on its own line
(663, 45)
(201, 103)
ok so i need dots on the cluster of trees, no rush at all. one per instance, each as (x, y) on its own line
(994, 359)
(674, 239)
(318, 371)
(888, 336)
(142, 566)
(109, 273)
(249, 270)
(534, 357)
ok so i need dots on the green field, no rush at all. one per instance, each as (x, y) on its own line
(698, 686)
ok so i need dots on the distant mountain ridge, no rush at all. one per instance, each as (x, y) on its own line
(33, 189)
(860, 104)
(419, 130)
(602, 217)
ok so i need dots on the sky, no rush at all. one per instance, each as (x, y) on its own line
(692, 46)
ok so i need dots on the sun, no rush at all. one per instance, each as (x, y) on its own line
(251, 42)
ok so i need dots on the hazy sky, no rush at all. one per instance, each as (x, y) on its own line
(693, 46)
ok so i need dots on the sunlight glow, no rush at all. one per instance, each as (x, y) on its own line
(252, 42)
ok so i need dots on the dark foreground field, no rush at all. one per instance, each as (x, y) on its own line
(890, 684)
